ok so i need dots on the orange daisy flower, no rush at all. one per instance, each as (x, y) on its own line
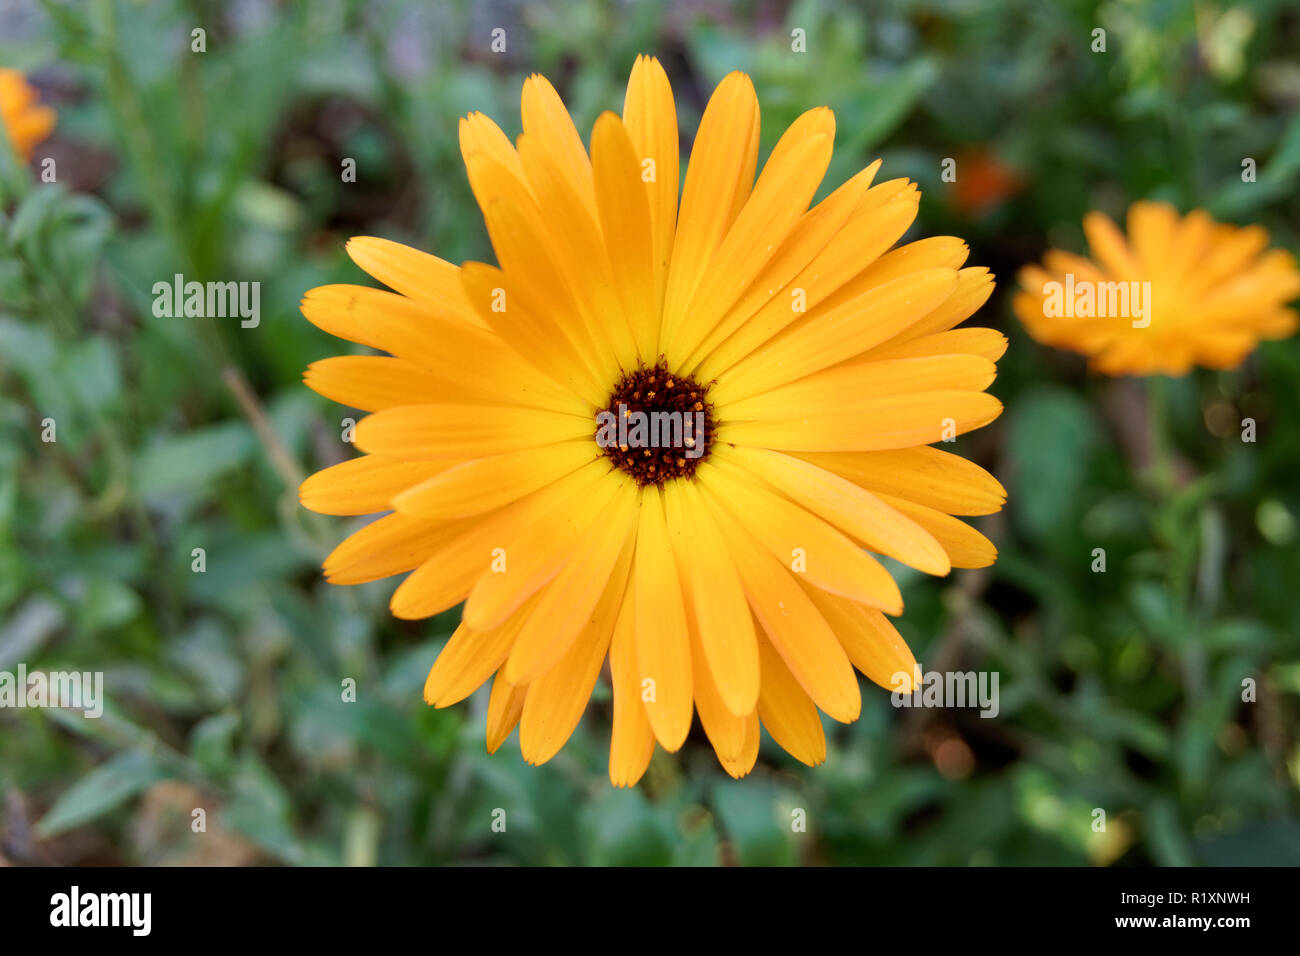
(1177, 292)
(799, 366)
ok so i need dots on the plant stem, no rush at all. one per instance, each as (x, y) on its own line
(1162, 468)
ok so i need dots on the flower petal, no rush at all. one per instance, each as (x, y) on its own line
(663, 647)
(650, 116)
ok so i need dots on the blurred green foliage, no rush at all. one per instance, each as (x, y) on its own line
(1120, 690)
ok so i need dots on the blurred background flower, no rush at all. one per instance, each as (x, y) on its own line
(24, 120)
(1176, 292)
(1162, 690)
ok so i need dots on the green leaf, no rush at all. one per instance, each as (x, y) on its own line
(1265, 843)
(90, 370)
(261, 809)
(629, 833)
(874, 114)
(188, 462)
(212, 742)
(748, 813)
(1052, 434)
(105, 788)
(1273, 182)
(34, 215)
(1166, 835)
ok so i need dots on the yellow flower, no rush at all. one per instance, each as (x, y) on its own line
(25, 121)
(1178, 292)
(724, 574)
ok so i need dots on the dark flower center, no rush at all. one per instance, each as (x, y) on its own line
(657, 425)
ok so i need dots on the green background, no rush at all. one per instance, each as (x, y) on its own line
(1119, 690)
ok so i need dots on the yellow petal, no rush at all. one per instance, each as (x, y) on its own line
(825, 391)
(379, 319)
(865, 237)
(1232, 253)
(726, 731)
(386, 546)
(798, 539)
(445, 578)
(810, 236)
(794, 626)
(787, 712)
(650, 116)
(485, 484)
(536, 552)
(933, 252)
(466, 553)
(718, 612)
(1108, 246)
(396, 324)
(628, 229)
(568, 605)
(974, 286)
(825, 338)
(986, 343)
(883, 193)
(743, 762)
(780, 197)
(547, 121)
(479, 134)
(718, 181)
(423, 432)
(873, 644)
(663, 648)
(848, 507)
(504, 707)
(930, 477)
(965, 546)
(544, 345)
(542, 280)
(468, 659)
(873, 424)
(428, 280)
(372, 382)
(581, 255)
(363, 485)
(557, 699)
(631, 740)
(1150, 230)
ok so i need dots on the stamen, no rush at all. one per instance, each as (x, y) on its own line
(669, 445)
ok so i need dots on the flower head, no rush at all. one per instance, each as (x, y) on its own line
(25, 121)
(667, 436)
(1176, 292)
